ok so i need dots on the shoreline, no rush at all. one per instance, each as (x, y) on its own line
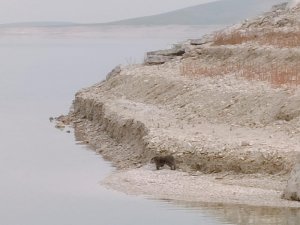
(222, 188)
(219, 109)
(228, 188)
(121, 134)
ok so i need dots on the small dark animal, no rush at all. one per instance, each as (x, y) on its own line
(160, 161)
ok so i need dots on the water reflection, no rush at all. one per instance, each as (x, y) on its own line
(45, 177)
(243, 214)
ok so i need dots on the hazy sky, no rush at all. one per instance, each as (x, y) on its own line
(85, 10)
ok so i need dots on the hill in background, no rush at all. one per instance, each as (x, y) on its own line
(219, 12)
(214, 13)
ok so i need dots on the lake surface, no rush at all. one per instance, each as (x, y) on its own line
(46, 177)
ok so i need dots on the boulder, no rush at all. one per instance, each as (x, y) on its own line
(203, 40)
(157, 59)
(281, 6)
(114, 72)
(198, 42)
(162, 56)
(176, 51)
(292, 190)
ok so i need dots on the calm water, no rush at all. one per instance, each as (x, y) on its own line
(46, 178)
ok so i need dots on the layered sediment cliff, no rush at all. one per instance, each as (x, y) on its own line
(226, 103)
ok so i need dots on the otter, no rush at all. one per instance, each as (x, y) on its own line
(160, 161)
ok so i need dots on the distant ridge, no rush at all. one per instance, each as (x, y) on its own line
(219, 12)
(214, 13)
(39, 24)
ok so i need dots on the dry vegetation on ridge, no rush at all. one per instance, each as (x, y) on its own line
(275, 74)
(278, 65)
(278, 39)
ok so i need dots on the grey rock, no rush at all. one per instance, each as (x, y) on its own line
(292, 190)
(203, 40)
(281, 6)
(157, 59)
(198, 42)
(114, 72)
(177, 51)
(162, 56)
(284, 22)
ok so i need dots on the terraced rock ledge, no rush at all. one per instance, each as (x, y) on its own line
(226, 112)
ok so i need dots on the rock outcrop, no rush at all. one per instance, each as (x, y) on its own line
(292, 190)
(225, 103)
(162, 56)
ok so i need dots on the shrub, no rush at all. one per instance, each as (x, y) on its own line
(276, 74)
(278, 39)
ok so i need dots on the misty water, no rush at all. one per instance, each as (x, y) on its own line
(46, 176)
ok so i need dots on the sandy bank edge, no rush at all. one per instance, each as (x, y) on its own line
(251, 190)
(251, 129)
(221, 188)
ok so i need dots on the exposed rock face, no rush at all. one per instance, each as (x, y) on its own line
(198, 41)
(292, 190)
(203, 40)
(162, 56)
(209, 124)
(153, 59)
(114, 72)
(281, 16)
